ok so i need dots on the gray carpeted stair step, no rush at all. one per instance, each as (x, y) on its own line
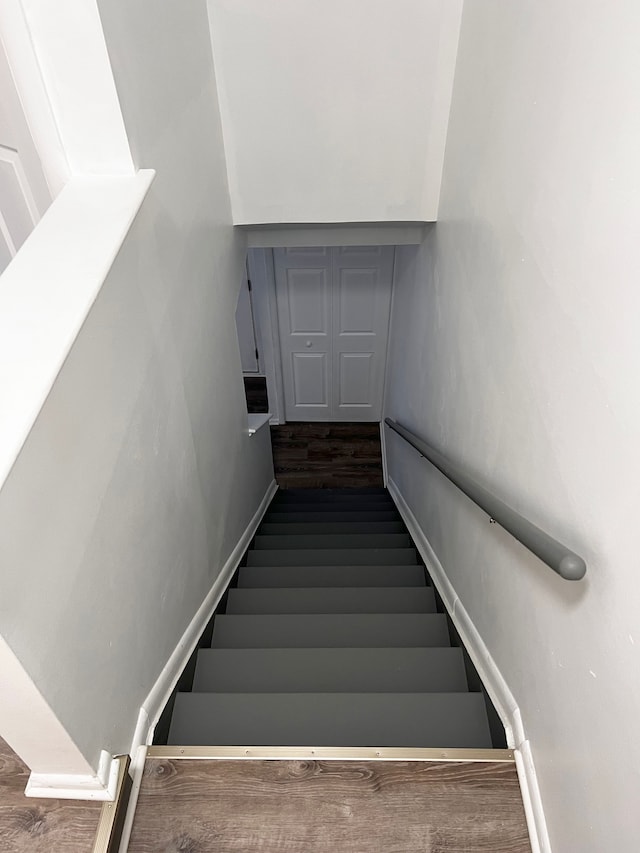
(374, 670)
(284, 516)
(329, 630)
(439, 720)
(305, 493)
(332, 540)
(413, 599)
(337, 576)
(325, 497)
(333, 557)
(332, 506)
(297, 527)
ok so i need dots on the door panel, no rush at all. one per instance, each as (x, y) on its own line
(333, 310)
(307, 301)
(356, 307)
(355, 379)
(310, 380)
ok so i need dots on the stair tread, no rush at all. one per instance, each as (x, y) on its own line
(319, 670)
(301, 541)
(332, 556)
(437, 720)
(331, 600)
(329, 630)
(332, 576)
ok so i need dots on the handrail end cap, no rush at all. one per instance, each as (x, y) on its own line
(572, 567)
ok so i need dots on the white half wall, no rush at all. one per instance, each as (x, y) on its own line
(334, 110)
(139, 477)
(515, 351)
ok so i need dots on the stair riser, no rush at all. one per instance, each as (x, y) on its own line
(429, 670)
(334, 557)
(330, 631)
(331, 576)
(327, 600)
(437, 720)
(331, 506)
(282, 498)
(279, 517)
(301, 527)
(306, 493)
(332, 540)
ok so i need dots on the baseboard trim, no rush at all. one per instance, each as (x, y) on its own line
(102, 787)
(168, 678)
(383, 448)
(492, 678)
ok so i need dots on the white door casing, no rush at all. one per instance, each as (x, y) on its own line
(333, 310)
(24, 194)
(245, 326)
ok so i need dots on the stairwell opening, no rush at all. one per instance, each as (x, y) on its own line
(356, 633)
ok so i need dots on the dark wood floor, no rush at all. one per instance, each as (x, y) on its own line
(40, 826)
(327, 455)
(200, 806)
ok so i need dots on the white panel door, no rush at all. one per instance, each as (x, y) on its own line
(303, 287)
(333, 309)
(361, 303)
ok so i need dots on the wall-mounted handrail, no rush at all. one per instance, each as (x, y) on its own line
(556, 555)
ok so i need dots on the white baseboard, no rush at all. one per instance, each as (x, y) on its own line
(493, 680)
(136, 771)
(64, 786)
(383, 448)
(168, 678)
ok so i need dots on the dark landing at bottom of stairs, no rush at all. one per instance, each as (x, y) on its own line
(331, 636)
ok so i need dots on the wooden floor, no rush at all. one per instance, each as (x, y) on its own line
(202, 806)
(327, 455)
(40, 826)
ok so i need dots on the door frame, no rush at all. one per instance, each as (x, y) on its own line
(262, 274)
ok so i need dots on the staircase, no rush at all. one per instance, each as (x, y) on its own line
(331, 638)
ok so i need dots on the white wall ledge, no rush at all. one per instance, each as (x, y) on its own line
(48, 289)
(257, 421)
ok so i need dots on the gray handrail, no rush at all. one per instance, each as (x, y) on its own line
(563, 561)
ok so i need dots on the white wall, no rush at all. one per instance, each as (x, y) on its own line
(139, 477)
(515, 349)
(334, 110)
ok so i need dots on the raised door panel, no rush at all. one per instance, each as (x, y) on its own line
(310, 380)
(356, 307)
(307, 298)
(355, 381)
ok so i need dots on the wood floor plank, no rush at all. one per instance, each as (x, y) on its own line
(201, 806)
(37, 825)
(327, 455)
